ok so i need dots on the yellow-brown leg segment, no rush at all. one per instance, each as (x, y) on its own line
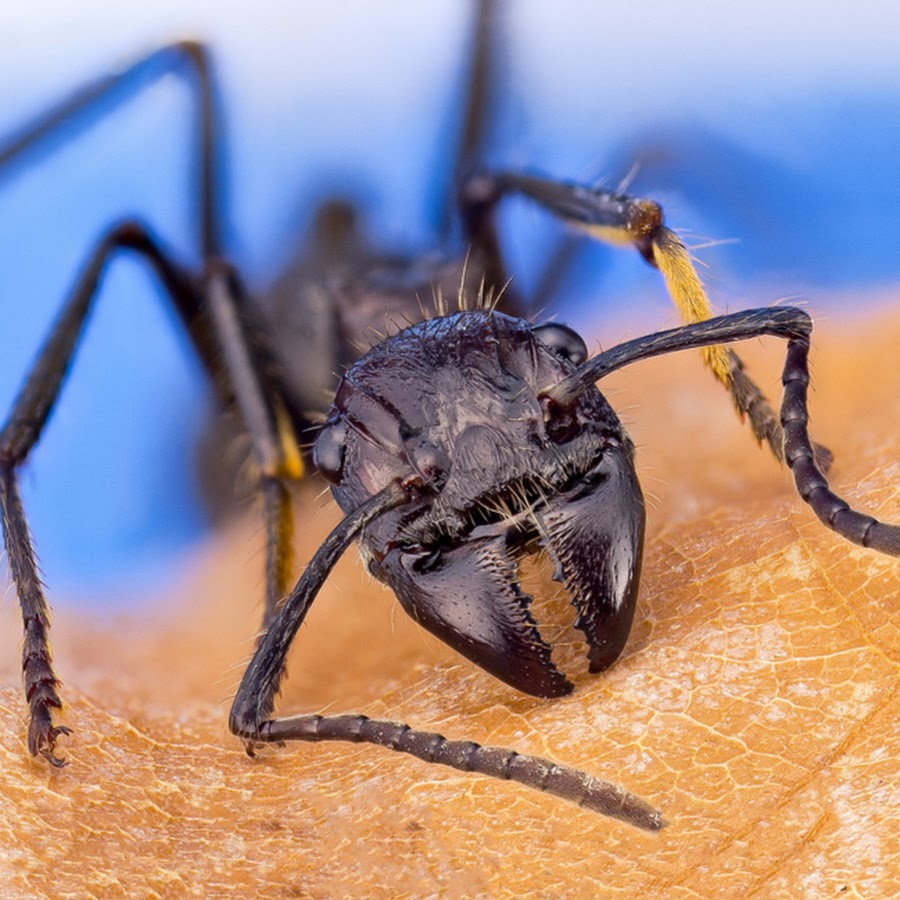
(688, 294)
(629, 221)
(255, 388)
(232, 349)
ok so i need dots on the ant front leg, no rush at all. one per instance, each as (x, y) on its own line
(622, 220)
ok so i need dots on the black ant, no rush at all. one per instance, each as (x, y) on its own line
(462, 441)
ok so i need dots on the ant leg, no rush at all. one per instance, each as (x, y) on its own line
(231, 348)
(619, 219)
(40, 681)
(267, 415)
(18, 436)
(478, 100)
(255, 701)
(785, 322)
(191, 59)
(101, 96)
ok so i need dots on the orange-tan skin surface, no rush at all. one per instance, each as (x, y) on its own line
(756, 703)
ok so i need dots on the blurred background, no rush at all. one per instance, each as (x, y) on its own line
(770, 132)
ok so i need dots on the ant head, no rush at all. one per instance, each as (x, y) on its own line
(455, 403)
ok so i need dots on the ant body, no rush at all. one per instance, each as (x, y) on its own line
(459, 443)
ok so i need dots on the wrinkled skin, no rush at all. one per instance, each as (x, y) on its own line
(455, 404)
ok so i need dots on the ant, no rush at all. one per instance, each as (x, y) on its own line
(462, 441)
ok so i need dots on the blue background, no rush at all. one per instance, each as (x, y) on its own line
(775, 130)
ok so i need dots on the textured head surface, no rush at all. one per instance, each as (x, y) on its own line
(456, 403)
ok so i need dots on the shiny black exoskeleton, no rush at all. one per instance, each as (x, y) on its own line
(456, 403)
(454, 447)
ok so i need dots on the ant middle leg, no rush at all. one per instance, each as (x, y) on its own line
(231, 347)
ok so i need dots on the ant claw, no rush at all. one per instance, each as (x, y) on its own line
(57, 762)
(42, 742)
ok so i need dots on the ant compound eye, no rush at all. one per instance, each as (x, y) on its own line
(328, 452)
(563, 341)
